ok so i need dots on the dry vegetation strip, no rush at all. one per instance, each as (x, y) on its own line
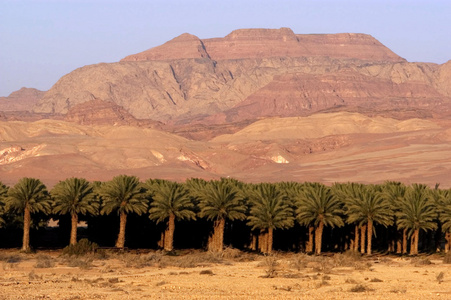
(193, 274)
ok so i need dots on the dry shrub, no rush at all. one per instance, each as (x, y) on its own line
(44, 261)
(347, 259)
(271, 264)
(10, 261)
(82, 263)
(440, 277)
(447, 258)
(299, 262)
(82, 247)
(232, 253)
(360, 288)
(206, 272)
(33, 276)
(419, 261)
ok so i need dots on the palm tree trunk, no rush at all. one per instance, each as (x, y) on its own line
(160, 243)
(217, 240)
(319, 237)
(26, 229)
(370, 236)
(417, 239)
(413, 243)
(404, 241)
(121, 236)
(309, 246)
(263, 241)
(448, 241)
(269, 241)
(356, 238)
(73, 229)
(169, 234)
(398, 243)
(253, 245)
(362, 239)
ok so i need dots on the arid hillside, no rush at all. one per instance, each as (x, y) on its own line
(324, 147)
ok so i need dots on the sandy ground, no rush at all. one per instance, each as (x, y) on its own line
(201, 275)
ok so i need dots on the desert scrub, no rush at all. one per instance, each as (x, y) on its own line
(447, 258)
(10, 261)
(360, 288)
(82, 247)
(44, 261)
(419, 261)
(77, 262)
(270, 263)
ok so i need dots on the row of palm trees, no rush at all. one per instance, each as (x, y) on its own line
(265, 207)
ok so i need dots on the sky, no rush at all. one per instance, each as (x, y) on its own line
(40, 41)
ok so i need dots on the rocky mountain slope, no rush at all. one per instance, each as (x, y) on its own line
(21, 100)
(255, 73)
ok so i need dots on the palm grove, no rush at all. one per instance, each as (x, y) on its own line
(311, 217)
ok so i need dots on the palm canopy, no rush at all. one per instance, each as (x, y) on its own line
(74, 196)
(270, 208)
(417, 211)
(220, 200)
(169, 198)
(123, 194)
(29, 193)
(316, 203)
(369, 206)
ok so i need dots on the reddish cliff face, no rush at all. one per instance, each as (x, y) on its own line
(183, 46)
(266, 43)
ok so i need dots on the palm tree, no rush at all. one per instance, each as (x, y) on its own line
(417, 212)
(219, 200)
(445, 218)
(171, 201)
(269, 210)
(317, 205)
(125, 195)
(28, 196)
(394, 192)
(74, 196)
(367, 208)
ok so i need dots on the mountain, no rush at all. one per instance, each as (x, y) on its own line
(21, 100)
(241, 76)
(257, 105)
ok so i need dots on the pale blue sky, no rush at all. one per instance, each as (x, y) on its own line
(40, 41)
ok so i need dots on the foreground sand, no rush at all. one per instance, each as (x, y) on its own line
(235, 275)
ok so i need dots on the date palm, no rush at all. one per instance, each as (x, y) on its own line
(417, 212)
(394, 192)
(219, 200)
(369, 207)
(445, 218)
(270, 210)
(74, 196)
(318, 206)
(125, 195)
(28, 196)
(170, 201)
